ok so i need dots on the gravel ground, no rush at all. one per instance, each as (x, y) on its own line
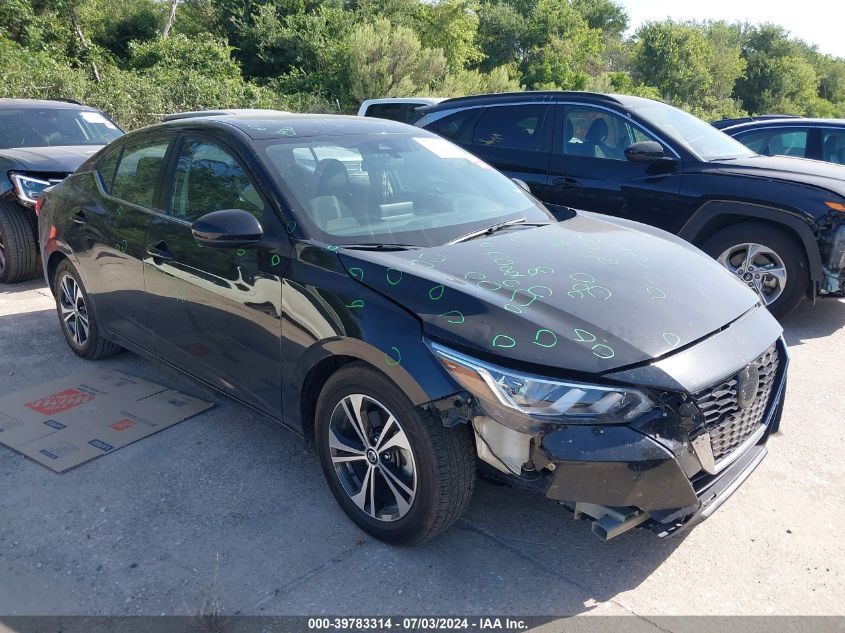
(228, 508)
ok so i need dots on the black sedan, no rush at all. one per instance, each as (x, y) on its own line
(385, 293)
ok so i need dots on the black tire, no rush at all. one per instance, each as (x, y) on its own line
(94, 346)
(18, 246)
(444, 458)
(786, 247)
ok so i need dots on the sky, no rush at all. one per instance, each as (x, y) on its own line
(819, 22)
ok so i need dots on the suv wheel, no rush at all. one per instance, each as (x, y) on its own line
(18, 248)
(766, 259)
(398, 473)
(76, 315)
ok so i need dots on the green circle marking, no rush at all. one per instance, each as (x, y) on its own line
(291, 226)
(241, 252)
(454, 316)
(357, 303)
(436, 293)
(357, 273)
(545, 338)
(275, 260)
(393, 361)
(504, 341)
(393, 279)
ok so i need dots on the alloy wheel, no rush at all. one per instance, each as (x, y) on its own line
(757, 266)
(372, 457)
(74, 311)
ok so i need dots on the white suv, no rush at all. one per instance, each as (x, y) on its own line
(402, 109)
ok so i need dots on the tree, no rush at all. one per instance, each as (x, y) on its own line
(451, 25)
(389, 61)
(605, 15)
(675, 58)
(501, 34)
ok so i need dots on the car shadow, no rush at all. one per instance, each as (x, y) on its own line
(814, 321)
(32, 284)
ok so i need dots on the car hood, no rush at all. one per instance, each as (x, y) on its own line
(789, 168)
(589, 294)
(60, 159)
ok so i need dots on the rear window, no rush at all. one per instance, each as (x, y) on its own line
(450, 127)
(139, 172)
(50, 127)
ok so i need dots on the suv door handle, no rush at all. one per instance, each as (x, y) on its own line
(567, 182)
(79, 217)
(159, 251)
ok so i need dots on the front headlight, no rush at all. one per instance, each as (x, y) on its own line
(28, 188)
(542, 399)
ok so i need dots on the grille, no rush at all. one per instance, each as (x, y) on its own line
(727, 423)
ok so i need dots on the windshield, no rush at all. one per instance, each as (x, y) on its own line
(394, 189)
(700, 138)
(45, 127)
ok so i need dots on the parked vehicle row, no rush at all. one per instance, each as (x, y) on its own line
(41, 142)
(390, 296)
(777, 223)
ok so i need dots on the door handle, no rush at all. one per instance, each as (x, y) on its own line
(79, 217)
(159, 251)
(566, 182)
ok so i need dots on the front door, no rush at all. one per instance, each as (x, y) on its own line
(588, 169)
(215, 312)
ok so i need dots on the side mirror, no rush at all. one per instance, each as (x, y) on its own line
(229, 228)
(645, 152)
(522, 184)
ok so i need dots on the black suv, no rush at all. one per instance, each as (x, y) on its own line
(778, 223)
(41, 142)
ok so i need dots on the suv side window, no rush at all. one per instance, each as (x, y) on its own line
(139, 171)
(512, 127)
(833, 147)
(402, 112)
(450, 127)
(209, 178)
(596, 133)
(106, 168)
(776, 142)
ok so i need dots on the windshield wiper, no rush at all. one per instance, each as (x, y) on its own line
(379, 246)
(496, 227)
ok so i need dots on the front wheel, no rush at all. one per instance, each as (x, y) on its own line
(768, 260)
(397, 472)
(18, 246)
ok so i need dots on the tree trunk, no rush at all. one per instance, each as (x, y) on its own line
(170, 19)
(83, 43)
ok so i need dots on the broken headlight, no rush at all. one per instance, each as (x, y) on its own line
(503, 391)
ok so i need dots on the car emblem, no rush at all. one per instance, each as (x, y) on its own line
(747, 382)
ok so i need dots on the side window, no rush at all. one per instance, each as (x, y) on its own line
(209, 178)
(776, 142)
(833, 147)
(106, 168)
(598, 133)
(450, 126)
(402, 112)
(139, 171)
(511, 127)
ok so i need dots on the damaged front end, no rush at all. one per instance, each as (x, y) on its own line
(833, 252)
(660, 446)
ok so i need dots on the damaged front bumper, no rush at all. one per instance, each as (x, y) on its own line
(833, 283)
(673, 467)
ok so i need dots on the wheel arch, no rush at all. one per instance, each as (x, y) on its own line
(324, 358)
(716, 215)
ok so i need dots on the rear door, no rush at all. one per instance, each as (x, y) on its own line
(515, 139)
(588, 169)
(109, 227)
(798, 141)
(216, 312)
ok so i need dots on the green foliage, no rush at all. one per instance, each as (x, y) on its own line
(327, 55)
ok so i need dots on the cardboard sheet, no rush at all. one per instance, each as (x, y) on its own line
(67, 422)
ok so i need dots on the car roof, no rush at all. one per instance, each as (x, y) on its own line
(785, 122)
(429, 100)
(530, 96)
(44, 103)
(261, 125)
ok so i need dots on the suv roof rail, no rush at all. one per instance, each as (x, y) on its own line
(526, 95)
